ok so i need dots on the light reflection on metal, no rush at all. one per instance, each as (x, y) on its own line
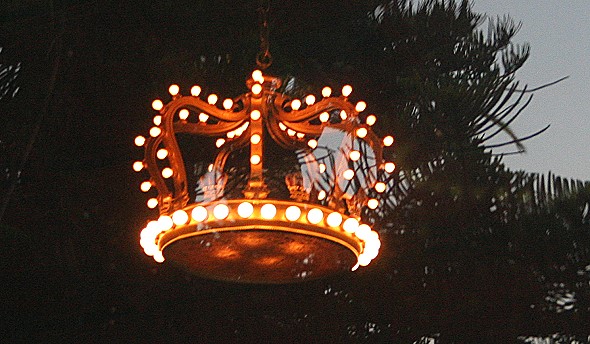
(341, 173)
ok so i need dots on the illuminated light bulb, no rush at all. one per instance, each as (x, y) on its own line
(282, 126)
(370, 252)
(326, 92)
(139, 141)
(361, 132)
(162, 153)
(158, 257)
(350, 225)
(231, 134)
(371, 119)
(292, 213)
(256, 89)
(203, 117)
(334, 219)
(291, 132)
(228, 103)
(155, 131)
(199, 213)
(167, 172)
(210, 168)
(360, 106)
(322, 168)
(151, 250)
(388, 141)
(145, 186)
(389, 167)
(221, 211)
(372, 203)
(373, 238)
(138, 166)
(324, 117)
(364, 260)
(183, 114)
(212, 99)
(348, 174)
(245, 210)
(255, 139)
(300, 135)
(255, 159)
(380, 187)
(295, 104)
(255, 115)
(268, 211)
(180, 217)
(310, 99)
(173, 90)
(257, 76)
(346, 90)
(315, 216)
(363, 232)
(157, 105)
(343, 115)
(219, 142)
(321, 195)
(165, 222)
(312, 143)
(354, 155)
(152, 203)
(195, 91)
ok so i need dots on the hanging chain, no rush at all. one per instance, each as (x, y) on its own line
(264, 59)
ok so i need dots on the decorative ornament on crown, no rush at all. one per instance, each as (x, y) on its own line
(254, 227)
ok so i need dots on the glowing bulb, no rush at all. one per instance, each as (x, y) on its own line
(139, 141)
(165, 222)
(221, 211)
(315, 216)
(312, 143)
(255, 159)
(389, 167)
(155, 131)
(334, 219)
(321, 195)
(343, 115)
(180, 217)
(354, 155)
(219, 142)
(373, 203)
(292, 213)
(195, 91)
(157, 105)
(257, 76)
(183, 114)
(256, 89)
(363, 231)
(346, 90)
(350, 225)
(324, 117)
(231, 134)
(173, 90)
(364, 260)
(255, 115)
(212, 99)
(388, 141)
(162, 153)
(228, 103)
(203, 117)
(295, 104)
(300, 135)
(291, 132)
(326, 92)
(158, 257)
(361, 132)
(152, 203)
(245, 210)
(268, 211)
(138, 166)
(199, 213)
(282, 126)
(255, 139)
(167, 172)
(371, 119)
(310, 99)
(145, 186)
(380, 187)
(348, 174)
(322, 168)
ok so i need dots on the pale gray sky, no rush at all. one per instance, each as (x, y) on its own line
(559, 35)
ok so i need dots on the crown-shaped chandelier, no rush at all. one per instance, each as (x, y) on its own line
(247, 226)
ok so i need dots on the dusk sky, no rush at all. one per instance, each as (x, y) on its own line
(559, 36)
